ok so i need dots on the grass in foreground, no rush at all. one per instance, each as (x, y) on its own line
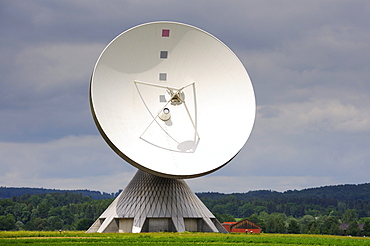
(186, 238)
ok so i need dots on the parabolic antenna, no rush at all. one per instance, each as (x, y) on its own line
(172, 100)
(175, 102)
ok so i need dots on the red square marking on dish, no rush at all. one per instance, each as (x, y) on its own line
(165, 32)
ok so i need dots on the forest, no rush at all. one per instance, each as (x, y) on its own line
(314, 211)
(9, 192)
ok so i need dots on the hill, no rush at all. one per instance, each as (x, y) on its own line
(346, 192)
(297, 203)
(9, 192)
(314, 210)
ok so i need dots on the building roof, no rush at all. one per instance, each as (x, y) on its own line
(344, 226)
(243, 224)
(229, 223)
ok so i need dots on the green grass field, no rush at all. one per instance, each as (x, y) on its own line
(186, 238)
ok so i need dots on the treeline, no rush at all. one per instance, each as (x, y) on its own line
(319, 210)
(9, 192)
(349, 223)
(314, 201)
(300, 215)
(347, 192)
(290, 206)
(55, 211)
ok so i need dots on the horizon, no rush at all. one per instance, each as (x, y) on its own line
(102, 192)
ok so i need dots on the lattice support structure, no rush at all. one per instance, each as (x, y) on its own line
(151, 203)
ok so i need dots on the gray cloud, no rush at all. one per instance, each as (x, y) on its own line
(308, 62)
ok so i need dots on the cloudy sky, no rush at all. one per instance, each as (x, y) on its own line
(309, 62)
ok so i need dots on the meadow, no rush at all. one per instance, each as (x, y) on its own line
(187, 238)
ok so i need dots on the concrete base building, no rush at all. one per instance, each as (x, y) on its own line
(151, 204)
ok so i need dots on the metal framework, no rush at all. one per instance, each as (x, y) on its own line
(151, 203)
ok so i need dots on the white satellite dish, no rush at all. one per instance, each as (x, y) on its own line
(175, 102)
(172, 100)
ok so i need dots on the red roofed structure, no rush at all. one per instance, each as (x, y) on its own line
(243, 226)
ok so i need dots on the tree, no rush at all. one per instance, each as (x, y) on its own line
(254, 218)
(66, 215)
(84, 224)
(367, 228)
(262, 217)
(353, 229)
(54, 223)
(43, 210)
(231, 208)
(219, 209)
(305, 222)
(246, 210)
(7, 222)
(293, 226)
(275, 224)
(325, 224)
(36, 224)
(19, 225)
(313, 228)
(349, 216)
(335, 230)
(224, 217)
